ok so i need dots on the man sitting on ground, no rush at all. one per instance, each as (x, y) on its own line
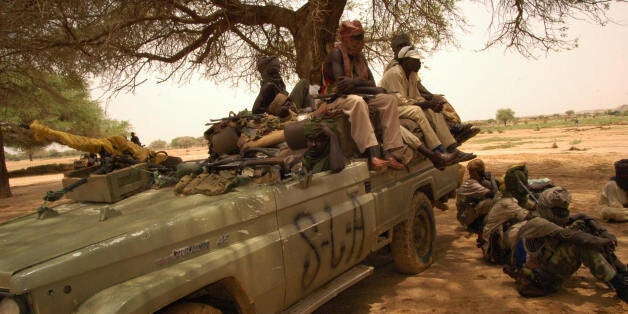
(613, 203)
(474, 198)
(552, 247)
(505, 217)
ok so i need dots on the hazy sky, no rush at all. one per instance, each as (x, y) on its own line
(477, 84)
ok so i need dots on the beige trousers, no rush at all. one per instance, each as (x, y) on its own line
(362, 131)
(435, 129)
(448, 111)
(437, 120)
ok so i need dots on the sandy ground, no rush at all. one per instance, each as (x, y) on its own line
(459, 280)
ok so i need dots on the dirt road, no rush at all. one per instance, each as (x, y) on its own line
(459, 281)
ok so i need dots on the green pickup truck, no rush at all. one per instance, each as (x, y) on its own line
(261, 248)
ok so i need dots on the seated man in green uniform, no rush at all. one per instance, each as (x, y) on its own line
(508, 213)
(323, 151)
(552, 247)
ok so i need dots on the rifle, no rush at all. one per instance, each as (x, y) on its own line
(238, 162)
(233, 116)
(536, 201)
(333, 96)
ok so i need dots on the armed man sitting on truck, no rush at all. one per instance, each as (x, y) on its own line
(441, 147)
(323, 151)
(461, 132)
(273, 97)
(550, 248)
(346, 79)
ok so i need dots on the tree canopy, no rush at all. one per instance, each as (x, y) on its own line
(504, 115)
(220, 38)
(120, 39)
(61, 102)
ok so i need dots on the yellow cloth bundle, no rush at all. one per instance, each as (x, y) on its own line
(115, 145)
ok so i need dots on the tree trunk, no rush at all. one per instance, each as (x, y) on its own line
(314, 38)
(5, 188)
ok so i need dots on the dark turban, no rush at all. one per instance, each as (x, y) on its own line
(263, 62)
(621, 173)
(349, 29)
(515, 179)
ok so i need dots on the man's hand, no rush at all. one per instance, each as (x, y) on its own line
(438, 106)
(346, 85)
(610, 236)
(603, 245)
(326, 130)
(433, 104)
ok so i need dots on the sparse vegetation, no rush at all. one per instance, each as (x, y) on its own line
(539, 122)
(505, 145)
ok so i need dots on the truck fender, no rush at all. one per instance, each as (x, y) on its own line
(153, 291)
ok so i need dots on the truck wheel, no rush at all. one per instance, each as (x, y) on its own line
(190, 308)
(413, 239)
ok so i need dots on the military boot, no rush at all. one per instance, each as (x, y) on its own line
(620, 284)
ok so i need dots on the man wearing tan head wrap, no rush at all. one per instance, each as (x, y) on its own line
(347, 77)
(613, 203)
(474, 198)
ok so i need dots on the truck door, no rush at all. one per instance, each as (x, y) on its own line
(325, 228)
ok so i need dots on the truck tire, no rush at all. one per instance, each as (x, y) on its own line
(190, 308)
(413, 240)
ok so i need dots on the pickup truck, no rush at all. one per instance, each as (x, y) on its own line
(261, 248)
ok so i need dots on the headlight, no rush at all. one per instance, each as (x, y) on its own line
(9, 306)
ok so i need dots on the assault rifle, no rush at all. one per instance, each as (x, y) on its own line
(239, 163)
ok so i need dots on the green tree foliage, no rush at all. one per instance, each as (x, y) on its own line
(118, 39)
(61, 102)
(504, 115)
(570, 112)
(219, 38)
(158, 144)
(185, 142)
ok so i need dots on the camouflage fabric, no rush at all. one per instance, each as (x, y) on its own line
(555, 263)
(550, 203)
(549, 261)
(204, 183)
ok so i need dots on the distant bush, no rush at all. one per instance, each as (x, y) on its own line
(158, 144)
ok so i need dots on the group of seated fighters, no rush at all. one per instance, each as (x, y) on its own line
(409, 120)
(530, 231)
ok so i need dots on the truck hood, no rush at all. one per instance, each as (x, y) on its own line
(27, 241)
